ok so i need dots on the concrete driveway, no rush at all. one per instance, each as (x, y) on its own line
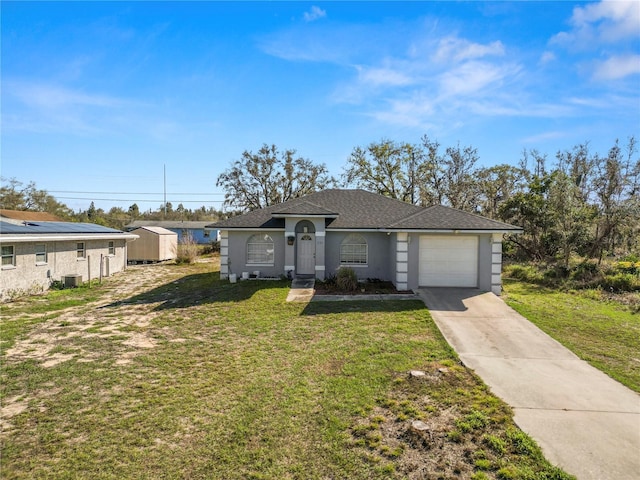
(585, 422)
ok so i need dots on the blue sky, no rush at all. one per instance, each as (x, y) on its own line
(100, 97)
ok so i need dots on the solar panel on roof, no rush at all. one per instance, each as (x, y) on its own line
(53, 227)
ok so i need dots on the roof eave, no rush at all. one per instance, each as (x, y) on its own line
(426, 230)
(244, 229)
(302, 215)
(28, 237)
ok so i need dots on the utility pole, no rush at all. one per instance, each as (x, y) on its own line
(164, 166)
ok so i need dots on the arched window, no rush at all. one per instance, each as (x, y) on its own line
(260, 250)
(353, 250)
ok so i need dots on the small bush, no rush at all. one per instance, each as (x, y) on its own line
(586, 271)
(187, 251)
(330, 280)
(212, 247)
(621, 282)
(630, 267)
(526, 273)
(347, 279)
(57, 285)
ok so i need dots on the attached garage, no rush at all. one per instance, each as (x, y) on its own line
(448, 261)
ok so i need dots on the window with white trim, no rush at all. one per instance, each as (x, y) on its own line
(80, 250)
(353, 250)
(8, 256)
(260, 250)
(112, 248)
(41, 253)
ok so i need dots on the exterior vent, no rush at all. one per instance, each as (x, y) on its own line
(71, 281)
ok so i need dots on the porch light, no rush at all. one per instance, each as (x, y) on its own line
(290, 239)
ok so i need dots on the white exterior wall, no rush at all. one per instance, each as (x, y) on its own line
(496, 263)
(27, 276)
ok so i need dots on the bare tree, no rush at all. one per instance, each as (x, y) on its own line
(268, 177)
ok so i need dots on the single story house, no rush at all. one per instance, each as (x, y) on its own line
(155, 244)
(199, 231)
(379, 237)
(36, 254)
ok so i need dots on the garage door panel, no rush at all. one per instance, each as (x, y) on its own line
(448, 261)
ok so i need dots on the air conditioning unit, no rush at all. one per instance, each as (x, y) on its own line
(71, 281)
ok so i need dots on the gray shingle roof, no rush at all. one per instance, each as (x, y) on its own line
(359, 209)
(303, 208)
(440, 217)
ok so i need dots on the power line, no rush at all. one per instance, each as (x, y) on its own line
(160, 201)
(129, 193)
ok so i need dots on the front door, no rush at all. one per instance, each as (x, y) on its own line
(306, 259)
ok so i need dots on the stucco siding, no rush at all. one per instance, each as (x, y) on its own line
(237, 254)
(484, 262)
(28, 276)
(414, 264)
(378, 261)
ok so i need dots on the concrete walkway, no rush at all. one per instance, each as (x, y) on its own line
(585, 422)
(301, 290)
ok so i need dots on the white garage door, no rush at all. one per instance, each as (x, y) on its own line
(448, 261)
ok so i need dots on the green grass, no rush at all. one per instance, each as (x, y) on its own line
(604, 333)
(239, 384)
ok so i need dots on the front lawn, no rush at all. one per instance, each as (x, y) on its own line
(604, 333)
(167, 372)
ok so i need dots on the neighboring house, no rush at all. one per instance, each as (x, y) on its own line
(25, 216)
(380, 238)
(155, 244)
(199, 231)
(34, 254)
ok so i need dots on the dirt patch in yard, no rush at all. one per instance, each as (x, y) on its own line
(112, 318)
(67, 334)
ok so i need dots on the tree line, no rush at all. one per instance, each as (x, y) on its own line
(15, 195)
(579, 202)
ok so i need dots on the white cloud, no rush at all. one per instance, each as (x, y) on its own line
(383, 76)
(544, 136)
(315, 14)
(472, 77)
(547, 57)
(601, 23)
(414, 112)
(459, 49)
(49, 97)
(605, 35)
(617, 67)
(43, 107)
